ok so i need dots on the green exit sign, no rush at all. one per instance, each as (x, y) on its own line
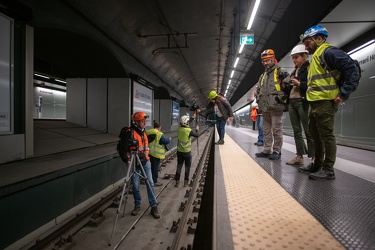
(246, 38)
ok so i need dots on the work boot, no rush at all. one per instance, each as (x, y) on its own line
(323, 174)
(298, 160)
(311, 168)
(274, 156)
(155, 212)
(262, 154)
(158, 184)
(177, 183)
(136, 211)
(186, 183)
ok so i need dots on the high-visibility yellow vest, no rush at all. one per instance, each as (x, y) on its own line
(320, 83)
(155, 149)
(275, 79)
(183, 139)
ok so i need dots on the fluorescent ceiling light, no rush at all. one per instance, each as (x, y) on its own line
(361, 47)
(42, 76)
(235, 63)
(57, 80)
(252, 17)
(241, 48)
(231, 75)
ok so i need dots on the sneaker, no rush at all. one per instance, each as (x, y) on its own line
(258, 143)
(158, 184)
(136, 211)
(255, 143)
(274, 156)
(295, 161)
(155, 212)
(311, 168)
(323, 174)
(177, 182)
(186, 183)
(218, 142)
(262, 154)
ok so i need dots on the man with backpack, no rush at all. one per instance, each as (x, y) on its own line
(332, 77)
(134, 139)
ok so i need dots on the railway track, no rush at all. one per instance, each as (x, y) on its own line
(93, 228)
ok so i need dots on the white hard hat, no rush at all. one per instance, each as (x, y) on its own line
(300, 48)
(184, 120)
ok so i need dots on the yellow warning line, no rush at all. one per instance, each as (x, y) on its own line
(262, 214)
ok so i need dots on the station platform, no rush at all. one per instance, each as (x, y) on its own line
(270, 205)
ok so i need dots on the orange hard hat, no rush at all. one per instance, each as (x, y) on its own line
(139, 116)
(268, 53)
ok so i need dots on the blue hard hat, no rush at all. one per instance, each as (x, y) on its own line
(314, 30)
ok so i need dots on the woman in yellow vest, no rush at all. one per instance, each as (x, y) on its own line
(157, 144)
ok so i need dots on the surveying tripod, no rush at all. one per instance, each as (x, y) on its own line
(132, 170)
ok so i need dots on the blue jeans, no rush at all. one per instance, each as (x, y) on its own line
(259, 122)
(136, 186)
(220, 125)
(155, 167)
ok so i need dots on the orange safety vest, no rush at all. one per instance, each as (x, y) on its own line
(142, 145)
(254, 114)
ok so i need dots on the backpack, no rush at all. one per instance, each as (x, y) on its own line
(334, 72)
(123, 144)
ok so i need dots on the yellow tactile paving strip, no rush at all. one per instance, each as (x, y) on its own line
(262, 214)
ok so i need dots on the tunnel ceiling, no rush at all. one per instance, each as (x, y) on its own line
(186, 47)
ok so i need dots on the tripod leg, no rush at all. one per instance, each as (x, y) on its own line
(150, 188)
(127, 178)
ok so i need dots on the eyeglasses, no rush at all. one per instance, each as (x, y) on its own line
(266, 61)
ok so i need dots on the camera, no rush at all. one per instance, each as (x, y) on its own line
(282, 75)
(194, 107)
(133, 143)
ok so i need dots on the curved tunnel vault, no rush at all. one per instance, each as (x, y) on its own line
(64, 54)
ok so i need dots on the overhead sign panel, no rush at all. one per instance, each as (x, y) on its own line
(246, 37)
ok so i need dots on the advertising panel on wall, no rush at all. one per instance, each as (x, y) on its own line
(175, 112)
(49, 103)
(6, 75)
(143, 101)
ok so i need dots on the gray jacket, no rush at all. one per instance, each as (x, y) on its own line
(223, 105)
(268, 94)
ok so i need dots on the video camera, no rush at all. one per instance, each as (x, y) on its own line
(282, 75)
(194, 107)
(133, 143)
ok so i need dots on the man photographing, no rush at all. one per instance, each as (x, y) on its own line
(134, 139)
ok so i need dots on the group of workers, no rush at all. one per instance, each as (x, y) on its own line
(150, 146)
(312, 92)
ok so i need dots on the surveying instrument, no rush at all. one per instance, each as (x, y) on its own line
(134, 168)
